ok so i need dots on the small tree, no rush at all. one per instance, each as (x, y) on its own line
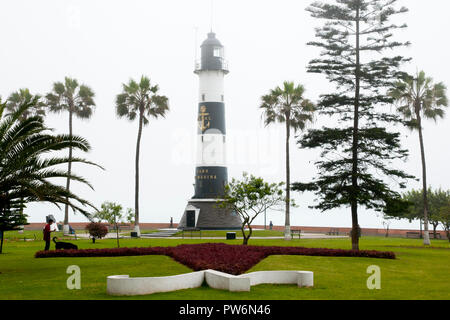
(113, 214)
(11, 219)
(129, 216)
(249, 198)
(444, 218)
(436, 199)
(386, 225)
(97, 230)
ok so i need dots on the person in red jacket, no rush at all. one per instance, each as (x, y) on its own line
(47, 232)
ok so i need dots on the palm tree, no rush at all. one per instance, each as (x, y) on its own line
(287, 105)
(420, 98)
(141, 101)
(23, 96)
(78, 100)
(28, 166)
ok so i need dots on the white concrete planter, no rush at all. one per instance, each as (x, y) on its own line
(301, 278)
(126, 286)
(225, 281)
(123, 285)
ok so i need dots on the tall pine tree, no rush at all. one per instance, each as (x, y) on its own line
(358, 153)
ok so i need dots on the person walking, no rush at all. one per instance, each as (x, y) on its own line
(47, 231)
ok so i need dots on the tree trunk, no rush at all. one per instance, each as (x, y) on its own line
(287, 223)
(2, 233)
(245, 239)
(435, 225)
(136, 196)
(420, 228)
(117, 234)
(250, 231)
(426, 236)
(69, 171)
(354, 197)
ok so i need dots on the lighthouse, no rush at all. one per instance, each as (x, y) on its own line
(211, 174)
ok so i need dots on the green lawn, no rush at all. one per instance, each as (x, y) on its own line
(417, 273)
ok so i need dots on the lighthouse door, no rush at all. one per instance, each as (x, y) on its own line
(190, 219)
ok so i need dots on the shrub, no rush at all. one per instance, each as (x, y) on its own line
(97, 230)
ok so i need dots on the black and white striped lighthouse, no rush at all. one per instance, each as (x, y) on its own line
(211, 173)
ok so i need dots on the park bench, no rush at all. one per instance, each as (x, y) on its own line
(333, 232)
(418, 235)
(296, 231)
(438, 235)
(413, 235)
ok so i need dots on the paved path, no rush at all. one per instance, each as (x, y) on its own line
(303, 236)
(111, 235)
(161, 233)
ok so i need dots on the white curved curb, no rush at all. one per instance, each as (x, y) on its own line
(225, 281)
(126, 286)
(123, 285)
(300, 278)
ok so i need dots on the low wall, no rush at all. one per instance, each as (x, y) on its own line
(126, 286)
(123, 285)
(305, 229)
(301, 278)
(364, 231)
(82, 225)
(225, 281)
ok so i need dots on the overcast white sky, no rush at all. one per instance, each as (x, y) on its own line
(104, 43)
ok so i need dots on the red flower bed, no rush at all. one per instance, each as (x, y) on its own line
(233, 259)
(115, 252)
(236, 259)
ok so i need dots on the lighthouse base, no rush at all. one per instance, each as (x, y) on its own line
(204, 214)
